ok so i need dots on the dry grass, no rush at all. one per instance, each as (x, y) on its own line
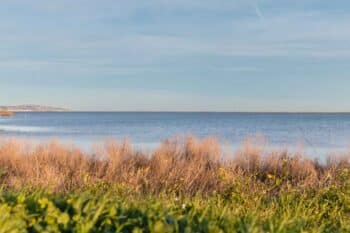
(188, 166)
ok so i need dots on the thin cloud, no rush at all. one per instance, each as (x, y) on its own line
(257, 9)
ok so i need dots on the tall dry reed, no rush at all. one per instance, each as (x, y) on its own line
(182, 166)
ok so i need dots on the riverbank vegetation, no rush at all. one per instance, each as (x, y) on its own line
(185, 185)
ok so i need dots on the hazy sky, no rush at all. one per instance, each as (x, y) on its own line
(201, 55)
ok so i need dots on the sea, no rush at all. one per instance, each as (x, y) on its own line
(319, 134)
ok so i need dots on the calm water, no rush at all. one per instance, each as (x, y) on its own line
(315, 131)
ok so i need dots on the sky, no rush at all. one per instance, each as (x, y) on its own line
(176, 55)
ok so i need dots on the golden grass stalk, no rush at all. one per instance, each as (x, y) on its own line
(184, 167)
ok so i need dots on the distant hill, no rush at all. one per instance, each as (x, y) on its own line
(32, 108)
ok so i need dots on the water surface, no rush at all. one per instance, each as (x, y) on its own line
(315, 131)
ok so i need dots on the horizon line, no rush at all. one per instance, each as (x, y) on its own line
(182, 111)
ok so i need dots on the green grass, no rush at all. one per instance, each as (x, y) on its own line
(245, 208)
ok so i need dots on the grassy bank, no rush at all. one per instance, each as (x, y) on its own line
(241, 210)
(183, 186)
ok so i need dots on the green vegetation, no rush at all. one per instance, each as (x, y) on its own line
(181, 187)
(246, 208)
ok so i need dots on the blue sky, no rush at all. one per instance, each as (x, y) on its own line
(180, 55)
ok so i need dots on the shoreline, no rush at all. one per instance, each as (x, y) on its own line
(184, 150)
(87, 145)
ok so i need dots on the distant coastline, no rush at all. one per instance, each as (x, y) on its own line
(32, 108)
